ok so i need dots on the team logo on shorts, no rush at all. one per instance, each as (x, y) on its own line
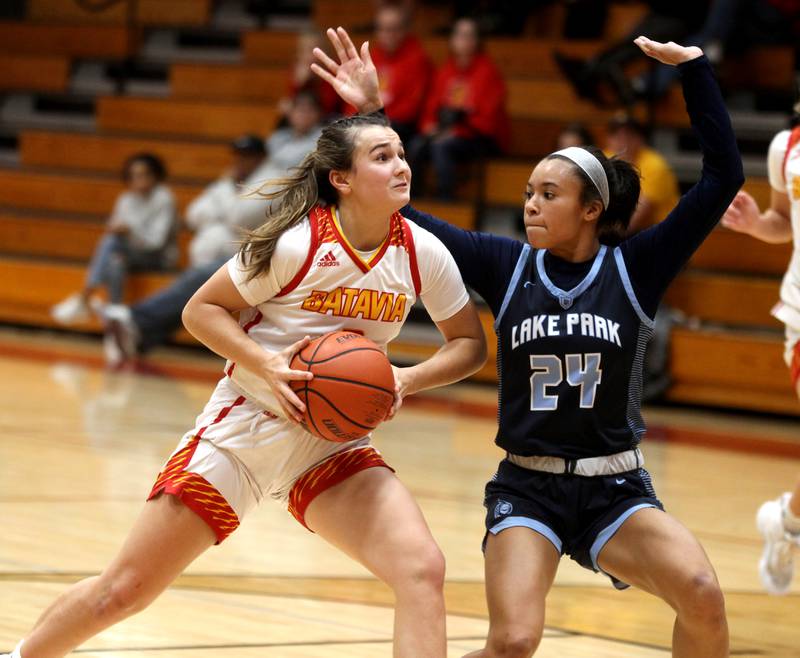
(502, 508)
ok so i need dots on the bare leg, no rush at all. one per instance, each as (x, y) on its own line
(657, 554)
(372, 517)
(520, 567)
(165, 539)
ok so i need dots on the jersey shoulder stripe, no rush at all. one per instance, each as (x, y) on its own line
(313, 244)
(794, 138)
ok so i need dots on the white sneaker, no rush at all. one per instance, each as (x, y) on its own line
(776, 566)
(113, 355)
(73, 309)
(121, 337)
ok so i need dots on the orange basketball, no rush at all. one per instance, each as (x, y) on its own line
(353, 386)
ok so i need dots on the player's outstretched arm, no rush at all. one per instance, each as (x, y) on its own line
(463, 354)
(354, 76)
(773, 225)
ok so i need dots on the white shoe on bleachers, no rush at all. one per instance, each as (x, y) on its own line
(73, 309)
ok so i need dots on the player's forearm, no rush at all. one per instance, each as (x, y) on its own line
(456, 359)
(773, 227)
(217, 329)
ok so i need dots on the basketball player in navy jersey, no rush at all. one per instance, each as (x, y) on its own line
(574, 310)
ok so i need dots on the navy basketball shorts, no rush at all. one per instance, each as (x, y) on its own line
(577, 514)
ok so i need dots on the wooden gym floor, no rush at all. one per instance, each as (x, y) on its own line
(80, 446)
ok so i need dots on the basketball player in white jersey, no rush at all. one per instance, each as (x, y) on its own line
(334, 254)
(779, 520)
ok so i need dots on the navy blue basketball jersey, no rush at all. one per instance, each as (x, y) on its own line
(579, 352)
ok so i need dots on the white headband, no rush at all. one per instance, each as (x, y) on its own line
(591, 167)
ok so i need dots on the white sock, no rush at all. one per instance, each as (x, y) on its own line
(16, 653)
(790, 522)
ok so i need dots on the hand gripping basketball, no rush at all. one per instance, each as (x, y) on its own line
(353, 388)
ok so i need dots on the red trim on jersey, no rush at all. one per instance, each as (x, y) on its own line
(253, 322)
(412, 257)
(395, 231)
(196, 492)
(794, 138)
(795, 369)
(334, 470)
(313, 219)
(342, 240)
(221, 415)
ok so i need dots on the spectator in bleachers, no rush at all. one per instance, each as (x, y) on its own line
(602, 78)
(302, 80)
(130, 331)
(717, 26)
(404, 69)
(140, 235)
(465, 114)
(626, 138)
(287, 146)
(218, 214)
(574, 134)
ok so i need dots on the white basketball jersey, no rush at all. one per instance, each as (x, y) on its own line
(317, 282)
(784, 176)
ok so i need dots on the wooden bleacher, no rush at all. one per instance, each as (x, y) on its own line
(33, 72)
(24, 234)
(718, 298)
(728, 251)
(740, 370)
(463, 215)
(68, 193)
(270, 47)
(81, 41)
(32, 287)
(60, 238)
(164, 116)
(226, 82)
(107, 153)
(762, 68)
(141, 12)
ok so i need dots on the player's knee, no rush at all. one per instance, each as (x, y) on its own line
(516, 643)
(702, 600)
(424, 568)
(121, 596)
(430, 567)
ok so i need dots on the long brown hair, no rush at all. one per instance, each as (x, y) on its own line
(303, 188)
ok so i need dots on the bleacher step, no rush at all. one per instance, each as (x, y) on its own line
(164, 46)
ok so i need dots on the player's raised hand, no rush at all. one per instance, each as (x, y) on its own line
(667, 53)
(278, 374)
(743, 215)
(354, 77)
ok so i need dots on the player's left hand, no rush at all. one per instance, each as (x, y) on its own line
(400, 388)
(354, 78)
(743, 215)
(667, 53)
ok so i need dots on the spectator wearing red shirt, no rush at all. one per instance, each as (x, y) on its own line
(404, 69)
(465, 114)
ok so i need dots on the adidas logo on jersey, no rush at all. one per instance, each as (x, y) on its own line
(328, 260)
